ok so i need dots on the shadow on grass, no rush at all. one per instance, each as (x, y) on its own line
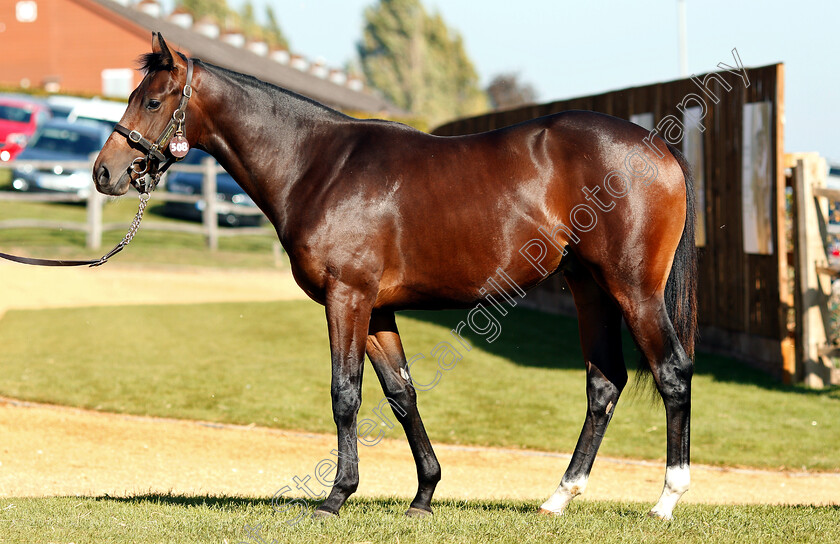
(188, 501)
(539, 339)
(393, 504)
(528, 337)
(356, 503)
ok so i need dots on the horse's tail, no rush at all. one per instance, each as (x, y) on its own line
(681, 288)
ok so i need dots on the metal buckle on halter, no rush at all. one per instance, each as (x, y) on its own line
(145, 187)
(145, 161)
(135, 136)
(188, 91)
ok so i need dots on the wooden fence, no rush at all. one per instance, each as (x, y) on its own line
(94, 227)
(745, 297)
(817, 342)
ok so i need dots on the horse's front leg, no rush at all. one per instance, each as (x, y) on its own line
(348, 315)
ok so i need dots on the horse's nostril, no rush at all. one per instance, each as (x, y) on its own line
(102, 175)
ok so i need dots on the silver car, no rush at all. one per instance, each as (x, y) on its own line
(60, 141)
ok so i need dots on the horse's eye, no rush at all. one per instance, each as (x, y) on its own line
(153, 104)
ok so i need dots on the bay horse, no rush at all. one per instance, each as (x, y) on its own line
(378, 217)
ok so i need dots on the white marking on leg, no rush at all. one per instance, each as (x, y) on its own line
(404, 374)
(677, 480)
(566, 491)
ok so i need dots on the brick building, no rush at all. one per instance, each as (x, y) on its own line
(92, 46)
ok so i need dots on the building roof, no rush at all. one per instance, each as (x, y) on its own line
(243, 60)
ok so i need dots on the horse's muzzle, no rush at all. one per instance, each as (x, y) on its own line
(105, 184)
(102, 177)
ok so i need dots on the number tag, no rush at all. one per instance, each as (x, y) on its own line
(179, 146)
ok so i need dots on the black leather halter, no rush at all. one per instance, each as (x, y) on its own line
(155, 162)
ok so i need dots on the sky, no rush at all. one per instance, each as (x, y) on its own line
(567, 48)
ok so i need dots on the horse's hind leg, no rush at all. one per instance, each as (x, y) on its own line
(672, 370)
(600, 336)
(386, 353)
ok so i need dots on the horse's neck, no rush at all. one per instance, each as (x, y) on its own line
(261, 135)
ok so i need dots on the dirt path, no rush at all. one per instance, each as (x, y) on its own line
(49, 450)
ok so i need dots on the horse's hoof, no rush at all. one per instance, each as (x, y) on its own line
(417, 512)
(657, 515)
(323, 514)
(544, 512)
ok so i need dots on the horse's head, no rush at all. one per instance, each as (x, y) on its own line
(155, 111)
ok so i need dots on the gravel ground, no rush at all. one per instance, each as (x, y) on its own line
(57, 451)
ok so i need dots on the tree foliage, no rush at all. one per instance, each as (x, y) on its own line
(245, 19)
(273, 33)
(417, 62)
(248, 21)
(505, 91)
(218, 9)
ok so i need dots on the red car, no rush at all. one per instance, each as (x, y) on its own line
(18, 120)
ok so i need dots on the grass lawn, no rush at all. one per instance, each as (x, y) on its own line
(149, 247)
(268, 363)
(233, 520)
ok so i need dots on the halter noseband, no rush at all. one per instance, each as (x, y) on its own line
(154, 155)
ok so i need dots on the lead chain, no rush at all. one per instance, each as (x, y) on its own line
(135, 223)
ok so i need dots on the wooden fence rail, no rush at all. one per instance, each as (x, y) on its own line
(94, 227)
(814, 273)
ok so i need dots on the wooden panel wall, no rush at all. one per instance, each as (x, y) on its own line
(743, 298)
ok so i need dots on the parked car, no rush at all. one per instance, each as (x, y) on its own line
(59, 140)
(190, 183)
(19, 118)
(62, 106)
(107, 112)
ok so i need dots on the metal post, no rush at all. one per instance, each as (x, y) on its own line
(209, 215)
(683, 31)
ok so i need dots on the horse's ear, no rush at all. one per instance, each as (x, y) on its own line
(159, 46)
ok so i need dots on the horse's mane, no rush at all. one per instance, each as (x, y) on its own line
(150, 63)
(276, 92)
